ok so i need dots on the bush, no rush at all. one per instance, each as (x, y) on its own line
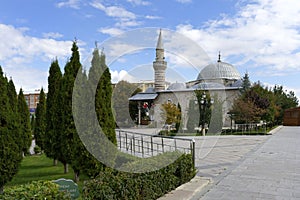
(35, 190)
(37, 150)
(112, 184)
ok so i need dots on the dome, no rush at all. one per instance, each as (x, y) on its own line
(177, 86)
(150, 90)
(220, 70)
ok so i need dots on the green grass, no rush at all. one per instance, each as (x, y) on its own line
(39, 167)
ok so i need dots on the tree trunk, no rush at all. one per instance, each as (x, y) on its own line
(66, 168)
(76, 176)
(54, 162)
(1, 189)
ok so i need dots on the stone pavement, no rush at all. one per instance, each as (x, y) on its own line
(270, 172)
(245, 167)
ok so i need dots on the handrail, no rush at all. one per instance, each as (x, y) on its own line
(148, 145)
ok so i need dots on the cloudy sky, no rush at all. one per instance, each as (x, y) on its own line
(260, 37)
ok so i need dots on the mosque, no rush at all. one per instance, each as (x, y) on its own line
(221, 80)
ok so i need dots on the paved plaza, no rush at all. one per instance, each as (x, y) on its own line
(245, 167)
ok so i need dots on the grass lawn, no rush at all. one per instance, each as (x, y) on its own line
(39, 167)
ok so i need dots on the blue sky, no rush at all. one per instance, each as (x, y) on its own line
(258, 36)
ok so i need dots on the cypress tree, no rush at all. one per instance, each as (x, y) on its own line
(12, 95)
(40, 121)
(53, 115)
(65, 106)
(24, 117)
(193, 116)
(178, 122)
(13, 101)
(82, 160)
(9, 151)
(103, 101)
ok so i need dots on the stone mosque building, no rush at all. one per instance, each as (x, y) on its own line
(220, 79)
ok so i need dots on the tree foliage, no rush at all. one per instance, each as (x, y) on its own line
(283, 100)
(261, 103)
(53, 114)
(24, 123)
(68, 129)
(125, 110)
(193, 116)
(15, 124)
(10, 155)
(171, 113)
(40, 121)
(246, 84)
(103, 96)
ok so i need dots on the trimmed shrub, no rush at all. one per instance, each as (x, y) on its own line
(112, 184)
(35, 190)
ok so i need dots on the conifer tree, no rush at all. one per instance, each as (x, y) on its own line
(103, 96)
(178, 122)
(53, 115)
(24, 117)
(12, 95)
(40, 121)
(246, 84)
(9, 150)
(82, 160)
(193, 116)
(13, 101)
(65, 106)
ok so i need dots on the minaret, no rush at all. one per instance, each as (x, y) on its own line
(219, 56)
(159, 66)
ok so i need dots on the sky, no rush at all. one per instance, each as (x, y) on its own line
(260, 37)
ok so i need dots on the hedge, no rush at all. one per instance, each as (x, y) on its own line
(112, 184)
(35, 190)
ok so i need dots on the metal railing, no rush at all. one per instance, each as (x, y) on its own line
(147, 145)
(251, 128)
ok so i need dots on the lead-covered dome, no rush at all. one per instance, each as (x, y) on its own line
(219, 70)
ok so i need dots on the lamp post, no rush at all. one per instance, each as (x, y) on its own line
(204, 102)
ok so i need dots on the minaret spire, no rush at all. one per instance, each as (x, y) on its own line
(160, 55)
(159, 41)
(219, 56)
(159, 65)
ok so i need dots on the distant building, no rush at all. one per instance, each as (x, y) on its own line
(292, 117)
(32, 99)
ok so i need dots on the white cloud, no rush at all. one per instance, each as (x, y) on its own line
(152, 17)
(263, 32)
(70, 3)
(114, 11)
(118, 49)
(52, 35)
(123, 17)
(184, 1)
(19, 52)
(139, 2)
(111, 31)
(117, 76)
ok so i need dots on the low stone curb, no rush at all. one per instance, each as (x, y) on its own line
(275, 130)
(187, 190)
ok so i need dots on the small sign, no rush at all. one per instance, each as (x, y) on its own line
(69, 186)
